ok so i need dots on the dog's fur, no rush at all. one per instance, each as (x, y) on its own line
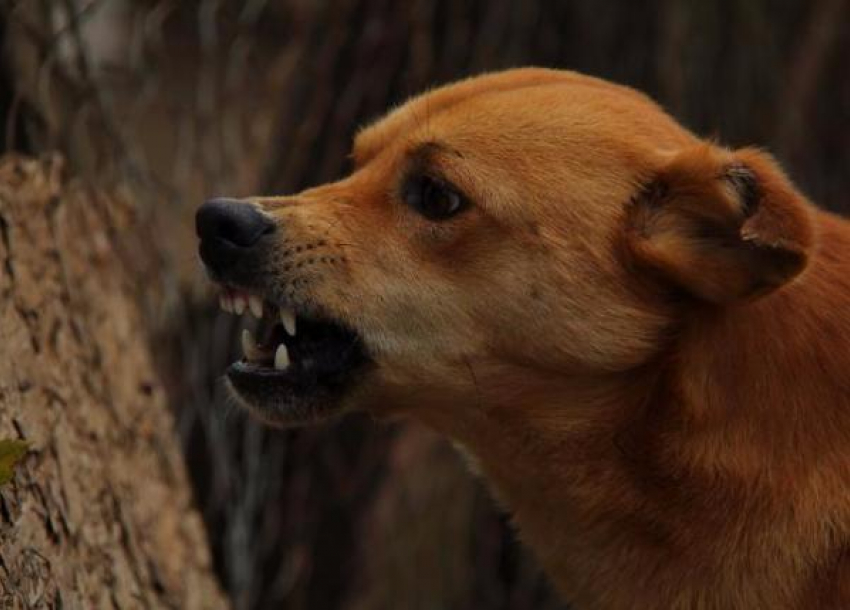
(642, 337)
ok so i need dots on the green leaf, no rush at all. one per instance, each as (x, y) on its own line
(11, 452)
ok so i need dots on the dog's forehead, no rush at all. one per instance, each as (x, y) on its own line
(531, 103)
(376, 136)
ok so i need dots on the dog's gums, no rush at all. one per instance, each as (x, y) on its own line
(641, 336)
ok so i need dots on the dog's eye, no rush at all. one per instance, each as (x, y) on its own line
(434, 199)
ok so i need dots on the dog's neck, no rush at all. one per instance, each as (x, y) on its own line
(636, 475)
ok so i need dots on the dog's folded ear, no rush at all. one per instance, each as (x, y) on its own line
(723, 225)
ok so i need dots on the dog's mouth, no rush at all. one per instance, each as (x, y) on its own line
(297, 367)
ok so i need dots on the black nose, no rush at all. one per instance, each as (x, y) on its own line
(228, 229)
(232, 221)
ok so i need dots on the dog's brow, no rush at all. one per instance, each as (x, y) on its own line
(425, 151)
(364, 148)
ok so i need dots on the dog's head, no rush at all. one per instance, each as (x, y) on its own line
(530, 220)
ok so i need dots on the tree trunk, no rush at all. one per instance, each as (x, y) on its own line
(98, 513)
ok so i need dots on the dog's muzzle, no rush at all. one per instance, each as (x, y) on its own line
(298, 365)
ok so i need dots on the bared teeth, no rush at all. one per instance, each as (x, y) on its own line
(224, 303)
(239, 303)
(281, 358)
(287, 318)
(255, 304)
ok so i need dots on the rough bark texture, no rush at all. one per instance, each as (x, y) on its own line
(99, 513)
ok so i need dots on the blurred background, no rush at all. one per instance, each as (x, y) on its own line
(176, 101)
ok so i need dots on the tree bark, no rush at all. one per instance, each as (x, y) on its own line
(99, 512)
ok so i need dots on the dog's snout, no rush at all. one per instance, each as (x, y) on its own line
(232, 221)
(229, 230)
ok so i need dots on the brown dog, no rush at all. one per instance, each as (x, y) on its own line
(642, 337)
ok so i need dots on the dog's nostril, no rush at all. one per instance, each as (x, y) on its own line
(232, 221)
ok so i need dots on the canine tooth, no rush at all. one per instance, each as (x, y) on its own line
(255, 304)
(238, 304)
(249, 346)
(222, 302)
(287, 318)
(281, 358)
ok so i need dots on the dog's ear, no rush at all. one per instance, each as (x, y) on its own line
(724, 225)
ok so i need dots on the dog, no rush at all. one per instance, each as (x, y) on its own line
(642, 337)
